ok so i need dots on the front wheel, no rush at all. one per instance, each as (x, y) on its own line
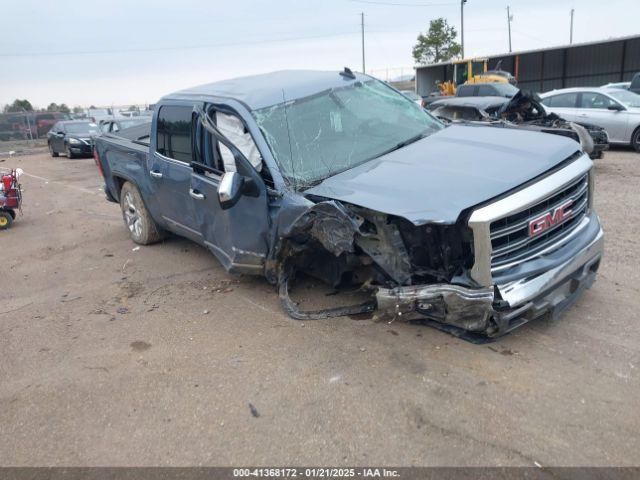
(635, 140)
(52, 151)
(5, 220)
(70, 153)
(142, 228)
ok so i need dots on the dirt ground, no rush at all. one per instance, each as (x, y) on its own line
(114, 355)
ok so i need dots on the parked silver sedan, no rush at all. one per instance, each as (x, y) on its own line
(617, 111)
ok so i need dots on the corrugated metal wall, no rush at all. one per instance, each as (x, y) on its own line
(576, 66)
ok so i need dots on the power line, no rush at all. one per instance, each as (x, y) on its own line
(186, 47)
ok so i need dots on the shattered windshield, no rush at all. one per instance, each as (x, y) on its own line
(332, 131)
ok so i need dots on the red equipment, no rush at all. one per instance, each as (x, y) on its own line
(10, 197)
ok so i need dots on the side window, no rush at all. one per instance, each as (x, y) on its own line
(564, 100)
(595, 100)
(174, 133)
(486, 90)
(465, 91)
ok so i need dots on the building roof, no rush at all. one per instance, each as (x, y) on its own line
(260, 91)
(536, 50)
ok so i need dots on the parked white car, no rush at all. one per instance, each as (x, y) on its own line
(620, 85)
(615, 110)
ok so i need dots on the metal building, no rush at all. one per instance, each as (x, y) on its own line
(577, 65)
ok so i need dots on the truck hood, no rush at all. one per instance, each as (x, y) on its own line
(436, 178)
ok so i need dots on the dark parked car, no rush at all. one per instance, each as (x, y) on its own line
(73, 138)
(523, 111)
(337, 176)
(114, 125)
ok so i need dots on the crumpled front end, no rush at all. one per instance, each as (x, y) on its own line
(529, 253)
(494, 311)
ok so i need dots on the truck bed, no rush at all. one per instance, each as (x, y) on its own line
(123, 155)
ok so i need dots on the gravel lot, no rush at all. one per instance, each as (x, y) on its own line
(113, 355)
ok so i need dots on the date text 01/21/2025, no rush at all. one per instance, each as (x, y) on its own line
(315, 472)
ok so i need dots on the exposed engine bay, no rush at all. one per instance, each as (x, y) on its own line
(524, 110)
(347, 246)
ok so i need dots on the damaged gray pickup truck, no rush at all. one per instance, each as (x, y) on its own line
(335, 175)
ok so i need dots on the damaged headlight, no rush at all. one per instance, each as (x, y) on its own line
(74, 141)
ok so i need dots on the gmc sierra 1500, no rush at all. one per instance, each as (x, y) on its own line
(338, 176)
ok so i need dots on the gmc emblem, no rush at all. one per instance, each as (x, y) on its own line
(550, 219)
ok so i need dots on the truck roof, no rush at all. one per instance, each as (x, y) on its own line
(265, 90)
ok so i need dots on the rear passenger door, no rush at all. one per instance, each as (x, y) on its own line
(170, 169)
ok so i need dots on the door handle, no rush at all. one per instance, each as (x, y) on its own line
(196, 195)
(155, 174)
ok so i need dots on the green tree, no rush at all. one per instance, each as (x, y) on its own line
(438, 45)
(78, 109)
(19, 106)
(54, 107)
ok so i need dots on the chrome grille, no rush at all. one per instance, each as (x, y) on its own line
(510, 240)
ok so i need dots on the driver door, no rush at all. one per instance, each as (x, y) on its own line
(236, 236)
(593, 107)
(58, 139)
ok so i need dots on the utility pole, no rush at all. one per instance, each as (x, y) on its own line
(362, 28)
(509, 18)
(462, 2)
(571, 29)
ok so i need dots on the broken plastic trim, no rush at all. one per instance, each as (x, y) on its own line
(466, 308)
(586, 141)
(294, 312)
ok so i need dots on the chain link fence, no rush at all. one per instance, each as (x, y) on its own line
(25, 132)
(393, 74)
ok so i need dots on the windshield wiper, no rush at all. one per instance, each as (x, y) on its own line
(402, 144)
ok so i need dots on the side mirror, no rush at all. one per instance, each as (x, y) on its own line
(615, 107)
(230, 189)
(60, 134)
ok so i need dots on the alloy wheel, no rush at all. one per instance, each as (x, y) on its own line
(132, 216)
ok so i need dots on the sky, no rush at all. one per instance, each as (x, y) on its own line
(83, 52)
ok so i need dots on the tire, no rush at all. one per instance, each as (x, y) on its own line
(69, 153)
(52, 151)
(6, 219)
(635, 140)
(142, 228)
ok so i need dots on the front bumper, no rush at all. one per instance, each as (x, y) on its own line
(546, 285)
(81, 149)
